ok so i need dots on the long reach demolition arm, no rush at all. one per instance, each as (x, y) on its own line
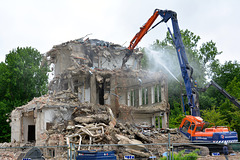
(220, 89)
(186, 69)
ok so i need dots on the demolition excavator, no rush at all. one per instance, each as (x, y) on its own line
(193, 126)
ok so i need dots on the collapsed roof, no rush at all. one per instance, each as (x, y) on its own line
(93, 53)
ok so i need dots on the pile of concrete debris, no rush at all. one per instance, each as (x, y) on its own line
(95, 124)
(90, 124)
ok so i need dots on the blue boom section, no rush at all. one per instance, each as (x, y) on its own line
(186, 69)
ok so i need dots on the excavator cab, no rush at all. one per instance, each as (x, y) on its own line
(190, 125)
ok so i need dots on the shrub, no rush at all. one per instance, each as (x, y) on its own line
(181, 156)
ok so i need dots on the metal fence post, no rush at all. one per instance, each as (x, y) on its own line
(74, 156)
(169, 149)
(70, 151)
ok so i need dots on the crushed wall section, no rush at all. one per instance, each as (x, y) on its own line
(91, 52)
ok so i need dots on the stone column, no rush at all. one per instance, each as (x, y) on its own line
(153, 94)
(164, 90)
(136, 98)
(149, 95)
(145, 95)
(93, 89)
(153, 120)
(113, 105)
(159, 125)
(165, 120)
(158, 95)
(140, 96)
(129, 98)
(133, 97)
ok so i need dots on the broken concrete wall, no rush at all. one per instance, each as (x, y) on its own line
(16, 126)
(23, 127)
(29, 122)
(140, 89)
(91, 52)
(112, 87)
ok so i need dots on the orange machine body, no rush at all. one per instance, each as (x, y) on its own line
(194, 128)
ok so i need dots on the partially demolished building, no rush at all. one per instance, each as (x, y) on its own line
(88, 73)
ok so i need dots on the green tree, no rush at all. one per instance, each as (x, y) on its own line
(23, 76)
(214, 117)
(228, 109)
(208, 52)
(225, 112)
(223, 75)
(5, 130)
(26, 77)
(3, 74)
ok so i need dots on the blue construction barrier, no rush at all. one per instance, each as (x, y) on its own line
(92, 155)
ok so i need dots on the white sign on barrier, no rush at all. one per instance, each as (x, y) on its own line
(152, 157)
(216, 154)
(129, 157)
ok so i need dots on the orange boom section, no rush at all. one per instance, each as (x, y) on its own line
(143, 30)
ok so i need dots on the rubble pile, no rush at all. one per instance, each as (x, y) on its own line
(95, 124)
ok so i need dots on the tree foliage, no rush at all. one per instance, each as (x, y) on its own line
(25, 76)
(224, 112)
(208, 52)
(223, 75)
(214, 117)
(5, 130)
(228, 109)
(22, 77)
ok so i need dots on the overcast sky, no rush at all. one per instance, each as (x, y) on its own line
(44, 23)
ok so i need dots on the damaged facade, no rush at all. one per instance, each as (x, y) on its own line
(88, 73)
